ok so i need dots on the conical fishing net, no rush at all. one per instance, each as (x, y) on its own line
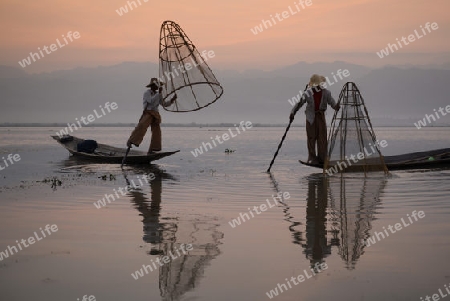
(185, 71)
(352, 142)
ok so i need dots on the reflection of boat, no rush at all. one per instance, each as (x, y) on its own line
(165, 234)
(109, 154)
(428, 159)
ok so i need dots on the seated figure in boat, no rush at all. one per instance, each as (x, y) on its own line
(317, 98)
(151, 117)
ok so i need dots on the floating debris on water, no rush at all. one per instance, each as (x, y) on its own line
(110, 176)
(54, 181)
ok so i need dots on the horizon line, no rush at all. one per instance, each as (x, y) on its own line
(409, 66)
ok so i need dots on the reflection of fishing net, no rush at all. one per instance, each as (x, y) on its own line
(353, 205)
(183, 273)
(352, 145)
(185, 71)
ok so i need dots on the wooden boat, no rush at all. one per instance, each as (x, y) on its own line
(419, 160)
(109, 154)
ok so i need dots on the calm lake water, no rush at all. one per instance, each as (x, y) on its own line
(192, 200)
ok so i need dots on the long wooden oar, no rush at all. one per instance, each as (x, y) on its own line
(125, 158)
(284, 136)
(279, 146)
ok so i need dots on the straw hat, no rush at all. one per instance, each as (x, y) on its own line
(316, 80)
(324, 80)
(155, 81)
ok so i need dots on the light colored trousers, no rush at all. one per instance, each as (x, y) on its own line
(148, 118)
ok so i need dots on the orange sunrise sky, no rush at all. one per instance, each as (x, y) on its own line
(327, 30)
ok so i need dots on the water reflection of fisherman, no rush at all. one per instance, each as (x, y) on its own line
(349, 212)
(167, 235)
(316, 247)
(155, 232)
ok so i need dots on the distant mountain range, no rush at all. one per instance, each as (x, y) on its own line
(394, 95)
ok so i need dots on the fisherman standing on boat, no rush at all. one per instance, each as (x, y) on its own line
(150, 117)
(316, 126)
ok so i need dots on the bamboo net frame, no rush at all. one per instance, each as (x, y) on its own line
(185, 72)
(352, 133)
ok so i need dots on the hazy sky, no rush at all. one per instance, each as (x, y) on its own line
(327, 30)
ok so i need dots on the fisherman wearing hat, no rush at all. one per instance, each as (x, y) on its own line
(150, 117)
(316, 126)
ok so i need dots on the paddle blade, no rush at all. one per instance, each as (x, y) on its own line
(125, 158)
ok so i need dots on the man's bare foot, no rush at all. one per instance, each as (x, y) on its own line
(130, 144)
(153, 151)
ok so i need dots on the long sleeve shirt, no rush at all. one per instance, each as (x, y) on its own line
(152, 100)
(308, 98)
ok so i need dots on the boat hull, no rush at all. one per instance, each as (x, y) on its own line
(417, 160)
(109, 154)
